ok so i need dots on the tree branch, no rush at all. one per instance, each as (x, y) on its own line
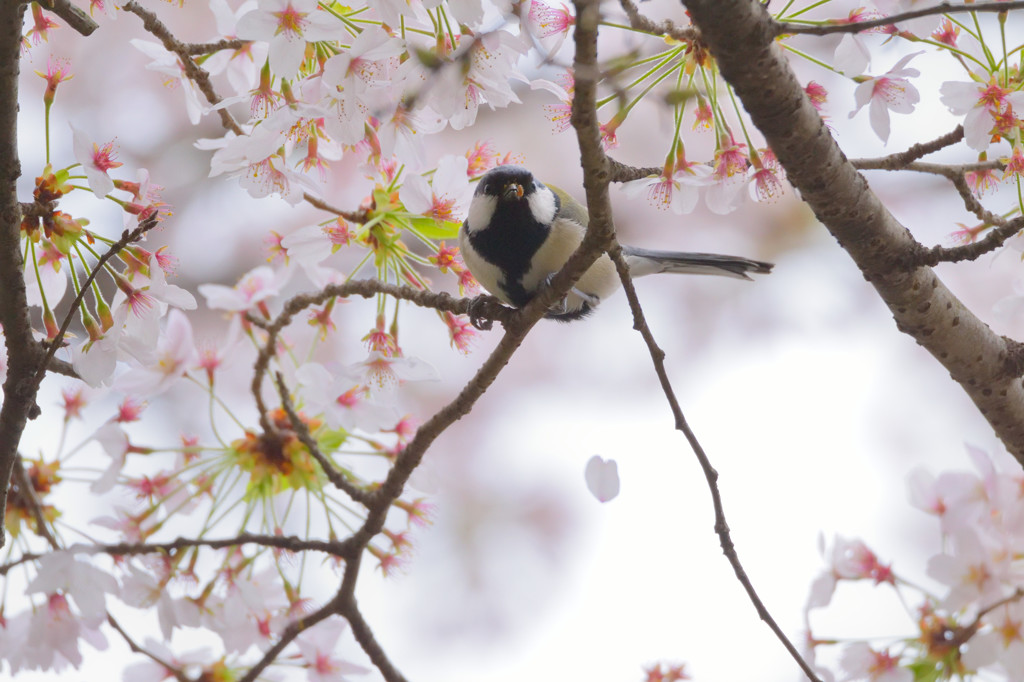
(19, 403)
(667, 28)
(195, 72)
(27, 492)
(114, 249)
(710, 474)
(72, 15)
(333, 475)
(741, 37)
(134, 646)
(954, 254)
(784, 28)
(902, 159)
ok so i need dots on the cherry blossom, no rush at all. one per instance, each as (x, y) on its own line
(78, 579)
(728, 178)
(861, 662)
(316, 646)
(1003, 645)
(446, 198)
(459, 92)
(365, 64)
(146, 589)
(251, 292)
(981, 104)
(48, 282)
(167, 63)
(550, 24)
(175, 354)
(287, 25)
(116, 444)
(848, 560)
(679, 191)
(96, 162)
(240, 66)
(95, 360)
(382, 373)
(48, 638)
(889, 92)
(852, 55)
(341, 400)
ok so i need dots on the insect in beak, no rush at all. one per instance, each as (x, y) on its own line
(514, 189)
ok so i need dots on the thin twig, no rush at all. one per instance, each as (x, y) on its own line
(786, 28)
(27, 492)
(900, 160)
(209, 48)
(721, 527)
(351, 216)
(338, 548)
(345, 593)
(302, 431)
(196, 73)
(954, 254)
(115, 248)
(369, 644)
(487, 307)
(621, 172)
(178, 674)
(75, 17)
(667, 28)
(943, 169)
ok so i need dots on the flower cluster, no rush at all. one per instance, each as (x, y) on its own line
(970, 624)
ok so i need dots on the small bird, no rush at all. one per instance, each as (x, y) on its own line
(520, 232)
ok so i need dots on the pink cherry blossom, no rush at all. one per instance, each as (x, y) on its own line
(679, 192)
(889, 92)
(981, 104)
(169, 64)
(78, 579)
(342, 401)
(145, 589)
(316, 646)
(861, 662)
(96, 162)
(446, 197)
(175, 354)
(250, 293)
(287, 25)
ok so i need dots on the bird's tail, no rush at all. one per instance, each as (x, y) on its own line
(646, 262)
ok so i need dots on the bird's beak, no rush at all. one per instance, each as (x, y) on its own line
(514, 191)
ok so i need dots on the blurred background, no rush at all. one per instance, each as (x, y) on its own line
(811, 405)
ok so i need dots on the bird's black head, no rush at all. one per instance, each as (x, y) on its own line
(508, 183)
(510, 199)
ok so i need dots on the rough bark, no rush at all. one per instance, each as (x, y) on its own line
(20, 387)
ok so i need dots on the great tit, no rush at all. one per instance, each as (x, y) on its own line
(519, 232)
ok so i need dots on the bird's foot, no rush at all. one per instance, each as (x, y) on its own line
(476, 312)
(562, 306)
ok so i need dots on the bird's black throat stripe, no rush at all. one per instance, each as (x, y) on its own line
(510, 243)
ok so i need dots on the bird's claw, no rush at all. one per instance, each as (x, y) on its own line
(562, 306)
(476, 315)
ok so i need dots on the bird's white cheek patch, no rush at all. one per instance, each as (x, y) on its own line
(481, 210)
(542, 205)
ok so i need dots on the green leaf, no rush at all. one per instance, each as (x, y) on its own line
(436, 229)
(330, 441)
